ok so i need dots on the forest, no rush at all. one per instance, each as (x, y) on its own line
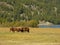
(29, 12)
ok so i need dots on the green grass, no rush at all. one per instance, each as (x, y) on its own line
(35, 37)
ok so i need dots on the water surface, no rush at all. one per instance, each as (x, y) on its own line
(49, 26)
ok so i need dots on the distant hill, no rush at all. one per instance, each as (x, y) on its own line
(26, 10)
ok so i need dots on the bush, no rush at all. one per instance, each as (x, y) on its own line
(32, 23)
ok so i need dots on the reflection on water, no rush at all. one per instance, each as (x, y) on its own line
(49, 26)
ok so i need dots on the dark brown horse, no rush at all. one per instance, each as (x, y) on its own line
(25, 29)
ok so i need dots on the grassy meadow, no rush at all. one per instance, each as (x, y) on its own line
(36, 36)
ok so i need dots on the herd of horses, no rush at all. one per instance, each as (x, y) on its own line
(20, 29)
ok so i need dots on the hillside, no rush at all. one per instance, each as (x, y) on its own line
(12, 11)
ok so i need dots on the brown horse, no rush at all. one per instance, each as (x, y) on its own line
(13, 29)
(25, 29)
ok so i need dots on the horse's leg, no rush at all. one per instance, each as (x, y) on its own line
(27, 30)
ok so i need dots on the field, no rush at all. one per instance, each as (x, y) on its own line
(36, 36)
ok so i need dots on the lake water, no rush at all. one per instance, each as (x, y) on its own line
(50, 26)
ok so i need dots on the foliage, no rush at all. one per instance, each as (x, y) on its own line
(32, 23)
(16, 10)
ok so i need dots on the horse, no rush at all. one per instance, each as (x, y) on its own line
(13, 29)
(25, 29)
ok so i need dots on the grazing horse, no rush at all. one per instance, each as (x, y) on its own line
(25, 29)
(20, 30)
(13, 29)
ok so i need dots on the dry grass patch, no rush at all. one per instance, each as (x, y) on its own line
(36, 35)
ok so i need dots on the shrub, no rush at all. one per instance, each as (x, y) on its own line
(32, 23)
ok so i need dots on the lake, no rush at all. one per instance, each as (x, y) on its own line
(49, 26)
